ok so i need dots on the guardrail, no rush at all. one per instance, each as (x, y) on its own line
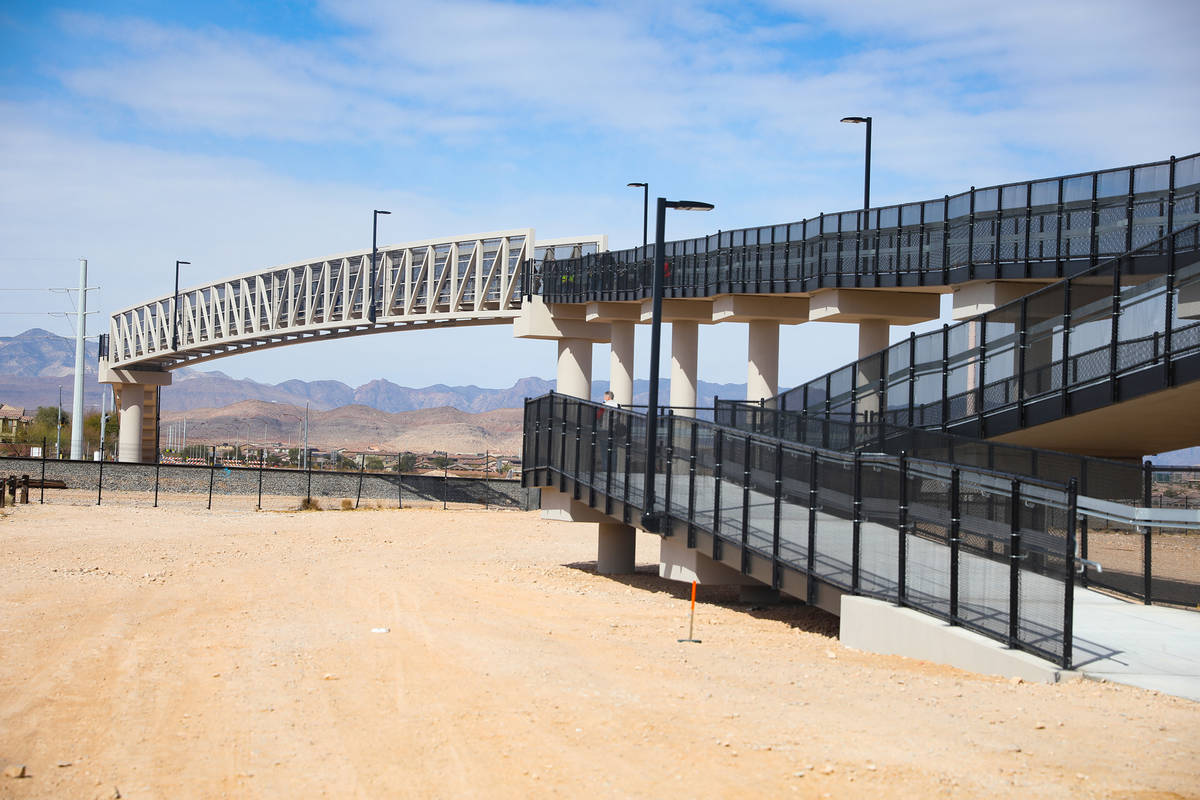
(989, 551)
(1048, 228)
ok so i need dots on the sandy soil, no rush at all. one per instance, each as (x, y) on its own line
(176, 653)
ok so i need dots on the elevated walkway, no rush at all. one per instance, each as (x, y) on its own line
(991, 554)
(1060, 368)
(1034, 232)
(970, 546)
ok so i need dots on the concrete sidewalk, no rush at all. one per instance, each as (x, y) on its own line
(1148, 646)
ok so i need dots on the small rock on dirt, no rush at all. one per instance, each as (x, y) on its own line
(14, 771)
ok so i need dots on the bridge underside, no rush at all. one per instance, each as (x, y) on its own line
(201, 354)
(1153, 423)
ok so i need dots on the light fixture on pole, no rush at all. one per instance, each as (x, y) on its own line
(645, 206)
(650, 519)
(867, 178)
(175, 309)
(371, 285)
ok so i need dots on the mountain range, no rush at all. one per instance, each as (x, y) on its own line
(34, 364)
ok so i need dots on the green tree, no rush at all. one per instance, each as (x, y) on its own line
(407, 462)
(91, 429)
(44, 425)
(442, 461)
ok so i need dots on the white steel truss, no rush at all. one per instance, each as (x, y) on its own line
(456, 281)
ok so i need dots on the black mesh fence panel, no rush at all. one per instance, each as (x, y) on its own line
(1046, 569)
(1173, 557)
(927, 576)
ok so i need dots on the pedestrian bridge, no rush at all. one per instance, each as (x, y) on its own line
(1077, 296)
(455, 281)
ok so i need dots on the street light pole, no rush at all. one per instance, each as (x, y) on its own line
(374, 236)
(175, 309)
(645, 206)
(650, 519)
(867, 177)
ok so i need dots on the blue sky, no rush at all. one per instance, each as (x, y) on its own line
(243, 135)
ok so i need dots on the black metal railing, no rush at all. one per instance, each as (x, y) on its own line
(1106, 335)
(1117, 481)
(1048, 228)
(1149, 563)
(979, 548)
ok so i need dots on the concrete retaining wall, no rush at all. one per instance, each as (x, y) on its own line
(188, 479)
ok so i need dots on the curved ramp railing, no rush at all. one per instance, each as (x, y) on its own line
(990, 552)
(1035, 229)
(1106, 335)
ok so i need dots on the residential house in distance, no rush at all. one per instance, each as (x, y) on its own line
(13, 422)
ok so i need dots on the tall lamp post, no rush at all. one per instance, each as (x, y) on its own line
(645, 206)
(175, 315)
(867, 178)
(374, 236)
(650, 518)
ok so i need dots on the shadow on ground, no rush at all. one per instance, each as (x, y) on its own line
(789, 611)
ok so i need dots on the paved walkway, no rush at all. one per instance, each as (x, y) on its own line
(1148, 646)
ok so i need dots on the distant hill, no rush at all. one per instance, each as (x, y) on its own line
(35, 363)
(353, 427)
(42, 354)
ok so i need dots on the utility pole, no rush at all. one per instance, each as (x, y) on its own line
(306, 435)
(80, 334)
(80, 338)
(58, 433)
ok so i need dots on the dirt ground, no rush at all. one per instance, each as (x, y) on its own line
(179, 653)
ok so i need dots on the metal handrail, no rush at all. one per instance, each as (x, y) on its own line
(1010, 231)
(1006, 526)
(826, 396)
(1139, 517)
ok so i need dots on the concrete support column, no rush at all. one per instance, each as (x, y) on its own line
(872, 337)
(684, 338)
(575, 368)
(615, 549)
(621, 364)
(129, 437)
(762, 371)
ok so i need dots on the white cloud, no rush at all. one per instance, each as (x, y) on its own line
(538, 114)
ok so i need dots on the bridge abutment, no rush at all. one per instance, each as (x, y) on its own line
(136, 395)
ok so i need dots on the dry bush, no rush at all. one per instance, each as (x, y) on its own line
(347, 505)
(310, 504)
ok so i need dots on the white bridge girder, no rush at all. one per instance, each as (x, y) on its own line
(454, 281)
